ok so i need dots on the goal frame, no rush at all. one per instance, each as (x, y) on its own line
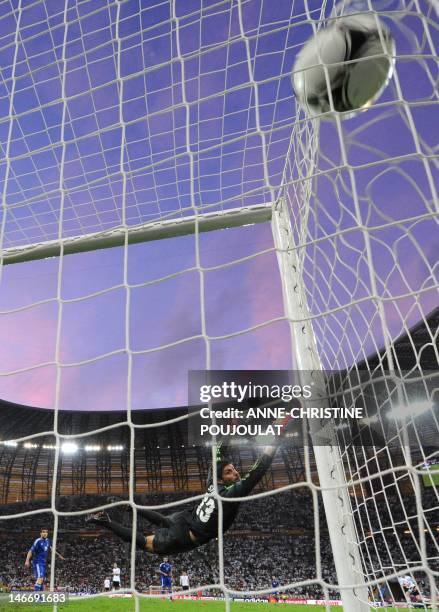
(332, 480)
(303, 349)
(146, 232)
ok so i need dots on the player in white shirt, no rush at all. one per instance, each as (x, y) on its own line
(410, 588)
(184, 581)
(107, 584)
(116, 576)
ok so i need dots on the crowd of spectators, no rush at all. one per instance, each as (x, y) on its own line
(249, 564)
(272, 537)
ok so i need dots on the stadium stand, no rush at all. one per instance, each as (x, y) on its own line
(271, 536)
(254, 552)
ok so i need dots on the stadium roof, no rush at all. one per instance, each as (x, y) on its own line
(418, 346)
(164, 457)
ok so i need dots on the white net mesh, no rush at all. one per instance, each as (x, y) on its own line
(370, 276)
(118, 114)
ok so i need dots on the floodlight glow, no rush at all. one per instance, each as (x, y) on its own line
(10, 443)
(92, 447)
(30, 445)
(69, 448)
(412, 410)
(117, 447)
(342, 425)
(370, 420)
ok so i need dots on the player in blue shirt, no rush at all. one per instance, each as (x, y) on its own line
(39, 552)
(165, 571)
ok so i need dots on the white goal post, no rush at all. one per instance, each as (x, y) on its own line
(127, 123)
(328, 458)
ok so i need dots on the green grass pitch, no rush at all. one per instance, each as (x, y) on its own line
(146, 605)
(102, 604)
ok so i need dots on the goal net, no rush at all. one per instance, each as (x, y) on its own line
(168, 206)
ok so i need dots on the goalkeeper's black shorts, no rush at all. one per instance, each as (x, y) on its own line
(174, 539)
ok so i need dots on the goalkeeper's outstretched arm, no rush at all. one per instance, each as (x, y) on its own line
(244, 486)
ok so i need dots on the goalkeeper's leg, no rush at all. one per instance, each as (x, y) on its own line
(154, 517)
(166, 540)
(125, 533)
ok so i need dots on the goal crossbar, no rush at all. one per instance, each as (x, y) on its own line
(156, 230)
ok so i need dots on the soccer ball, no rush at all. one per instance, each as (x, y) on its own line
(358, 56)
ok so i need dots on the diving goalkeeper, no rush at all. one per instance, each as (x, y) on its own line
(183, 531)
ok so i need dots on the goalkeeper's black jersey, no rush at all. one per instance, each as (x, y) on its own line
(204, 517)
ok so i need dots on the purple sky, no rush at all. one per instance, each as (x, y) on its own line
(394, 198)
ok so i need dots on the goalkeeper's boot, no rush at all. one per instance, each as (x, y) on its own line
(101, 518)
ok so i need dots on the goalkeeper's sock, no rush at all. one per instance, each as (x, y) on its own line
(126, 534)
(38, 587)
